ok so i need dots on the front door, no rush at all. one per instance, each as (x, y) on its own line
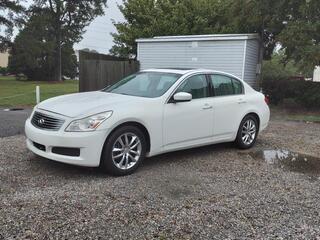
(189, 123)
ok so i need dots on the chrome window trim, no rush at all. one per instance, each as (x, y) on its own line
(207, 73)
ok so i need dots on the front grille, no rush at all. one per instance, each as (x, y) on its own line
(44, 121)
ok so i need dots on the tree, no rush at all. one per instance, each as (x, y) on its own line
(148, 18)
(69, 18)
(169, 17)
(33, 52)
(301, 36)
(294, 24)
(10, 16)
(263, 17)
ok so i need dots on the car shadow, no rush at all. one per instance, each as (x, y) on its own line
(72, 171)
(187, 154)
(65, 170)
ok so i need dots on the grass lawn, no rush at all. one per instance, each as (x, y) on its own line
(305, 118)
(295, 114)
(15, 93)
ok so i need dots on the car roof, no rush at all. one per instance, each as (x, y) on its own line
(169, 70)
(184, 71)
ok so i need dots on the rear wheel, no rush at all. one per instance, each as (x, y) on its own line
(123, 151)
(247, 133)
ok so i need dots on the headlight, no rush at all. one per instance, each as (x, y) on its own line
(88, 124)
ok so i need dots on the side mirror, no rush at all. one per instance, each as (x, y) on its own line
(182, 97)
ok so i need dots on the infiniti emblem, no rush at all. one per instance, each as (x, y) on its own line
(41, 121)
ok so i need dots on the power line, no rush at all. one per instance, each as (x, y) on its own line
(101, 27)
(97, 31)
(101, 23)
(98, 38)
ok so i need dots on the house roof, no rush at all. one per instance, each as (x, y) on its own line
(191, 38)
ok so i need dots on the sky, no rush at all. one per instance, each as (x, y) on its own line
(98, 33)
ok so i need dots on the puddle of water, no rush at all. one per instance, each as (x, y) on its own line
(291, 161)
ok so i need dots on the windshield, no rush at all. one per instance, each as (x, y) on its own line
(144, 84)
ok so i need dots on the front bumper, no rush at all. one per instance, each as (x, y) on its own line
(89, 143)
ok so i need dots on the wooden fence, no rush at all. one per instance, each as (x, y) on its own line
(97, 71)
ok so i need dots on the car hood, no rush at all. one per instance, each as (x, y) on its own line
(84, 104)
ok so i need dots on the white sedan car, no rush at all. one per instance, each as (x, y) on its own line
(146, 114)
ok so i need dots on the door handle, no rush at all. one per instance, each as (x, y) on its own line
(207, 106)
(241, 101)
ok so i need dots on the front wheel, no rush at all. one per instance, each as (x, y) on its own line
(247, 133)
(123, 151)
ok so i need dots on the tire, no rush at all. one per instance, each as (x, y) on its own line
(247, 138)
(123, 151)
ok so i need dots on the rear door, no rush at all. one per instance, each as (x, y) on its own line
(228, 106)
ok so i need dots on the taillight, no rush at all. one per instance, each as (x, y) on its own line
(267, 99)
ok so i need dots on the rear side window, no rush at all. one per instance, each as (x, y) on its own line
(224, 85)
(237, 86)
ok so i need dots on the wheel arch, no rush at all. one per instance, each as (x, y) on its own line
(135, 124)
(255, 115)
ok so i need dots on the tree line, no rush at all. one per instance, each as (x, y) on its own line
(43, 48)
(293, 25)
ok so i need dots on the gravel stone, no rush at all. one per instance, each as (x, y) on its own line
(214, 192)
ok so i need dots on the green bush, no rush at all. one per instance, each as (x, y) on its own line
(308, 94)
(275, 80)
(304, 93)
(279, 84)
(3, 71)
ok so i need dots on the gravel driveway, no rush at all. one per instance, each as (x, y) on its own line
(215, 192)
(12, 122)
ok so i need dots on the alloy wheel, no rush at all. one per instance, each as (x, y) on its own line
(248, 132)
(126, 151)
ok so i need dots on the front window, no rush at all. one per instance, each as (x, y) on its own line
(196, 85)
(145, 84)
